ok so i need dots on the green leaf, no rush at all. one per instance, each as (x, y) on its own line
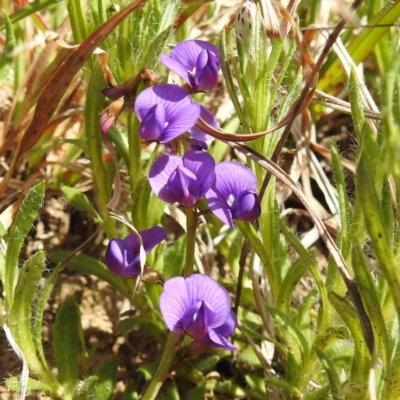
(294, 337)
(369, 295)
(14, 384)
(90, 265)
(19, 318)
(333, 377)
(174, 258)
(66, 343)
(39, 310)
(362, 357)
(345, 243)
(6, 57)
(357, 109)
(323, 316)
(289, 284)
(107, 376)
(365, 191)
(22, 225)
(80, 201)
(226, 40)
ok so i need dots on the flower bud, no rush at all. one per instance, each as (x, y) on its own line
(246, 27)
(110, 114)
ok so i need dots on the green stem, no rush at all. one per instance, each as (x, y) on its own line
(191, 227)
(163, 367)
(250, 234)
(173, 338)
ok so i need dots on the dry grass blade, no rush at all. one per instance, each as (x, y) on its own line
(59, 82)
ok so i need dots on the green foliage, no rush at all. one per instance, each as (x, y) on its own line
(66, 343)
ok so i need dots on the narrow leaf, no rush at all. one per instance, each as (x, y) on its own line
(80, 201)
(362, 357)
(20, 228)
(66, 343)
(6, 57)
(365, 190)
(107, 376)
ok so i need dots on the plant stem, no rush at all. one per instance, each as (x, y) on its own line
(173, 338)
(163, 367)
(191, 227)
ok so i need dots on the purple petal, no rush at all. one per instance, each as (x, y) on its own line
(195, 320)
(153, 123)
(232, 178)
(217, 340)
(120, 260)
(180, 119)
(181, 113)
(247, 206)
(202, 287)
(203, 166)
(150, 238)
(188, 51)
(174, 302)
(227, 328)
(175, 66)
(182, 187)
(161, 170)
(207, 66)
(219, 206)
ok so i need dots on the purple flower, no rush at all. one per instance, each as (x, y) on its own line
(182, 180)
(165, 112)
(233, 194)
(123, 256)
(196, 61)
(200, 307)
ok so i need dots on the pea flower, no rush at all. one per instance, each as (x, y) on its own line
(196, 61)
(165, 112)
(200, 307)
(123, 255)
(182, 180)
(233, 193)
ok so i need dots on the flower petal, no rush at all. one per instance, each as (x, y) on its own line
(203, 166)
(232, 178)
(175, 66)
(202, 287)
(195, 320)
(120, 260)
(153, 123)
(207, 66)
(161, 170)
(247, 206)
(219, 206)
(188, 51)
(180, 119)
(182, 187)
(217, 340)
(150, 238)
(228, 327)
(174, 302)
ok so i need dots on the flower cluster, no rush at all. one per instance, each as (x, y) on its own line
(197, 305)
